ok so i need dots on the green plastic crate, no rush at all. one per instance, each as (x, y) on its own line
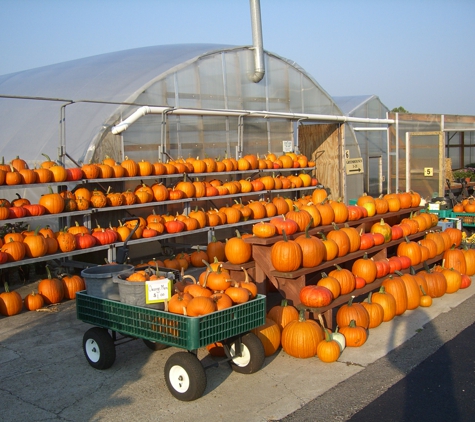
(442, 213)
(181, 331)
(468, 219)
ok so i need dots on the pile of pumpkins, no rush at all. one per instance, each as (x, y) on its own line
(51, 290)
(305, 338)
(213, 291)
(309, 251)
(458, 266)
(17, 172)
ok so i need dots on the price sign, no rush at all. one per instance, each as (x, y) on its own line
(158, 290)
(287, 146)
(428, 171)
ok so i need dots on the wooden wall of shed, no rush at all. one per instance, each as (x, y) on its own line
(321, 143)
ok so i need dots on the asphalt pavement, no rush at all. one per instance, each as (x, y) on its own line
(45, 376)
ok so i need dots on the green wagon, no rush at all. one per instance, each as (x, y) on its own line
(115, 322)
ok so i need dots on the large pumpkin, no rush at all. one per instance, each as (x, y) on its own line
(410, 249)
(237, 251)
(436, 282)
(387, 301)
(352, 311)
(397, 288)
(345, 278)
(328, 350)
(313, 249)
(315, 296)
(71, 285)
(331, 283)
(455, 258)
(301, 217)
(269, 334)
(365, 268)
(300, 338)
(53, 202)
(375, 311)
(413, 290)
(286, 255)
(282, 314)
(51, 289)
(383, 228)
(10, 302)
(341, 239)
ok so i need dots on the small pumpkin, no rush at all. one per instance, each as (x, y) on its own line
(328, 350)
(355, 335)
(33, 301)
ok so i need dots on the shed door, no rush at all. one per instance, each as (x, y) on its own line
(375, 178)
(425, 169)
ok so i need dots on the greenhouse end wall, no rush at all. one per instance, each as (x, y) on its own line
(221, 81)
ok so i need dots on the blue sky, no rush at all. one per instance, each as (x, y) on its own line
(418, 54)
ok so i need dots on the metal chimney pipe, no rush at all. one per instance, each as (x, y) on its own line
(258, 46)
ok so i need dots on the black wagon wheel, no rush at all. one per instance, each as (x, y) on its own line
(99, 348)
(154, 345)
(185, 376)
(251, 357)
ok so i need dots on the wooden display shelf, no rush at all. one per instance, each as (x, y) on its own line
(289, 284)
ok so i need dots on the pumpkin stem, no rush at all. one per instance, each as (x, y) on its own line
(307, 228)
(193, 279)
(320, 318)
(284, 235)
(246, 275)
(370, 295)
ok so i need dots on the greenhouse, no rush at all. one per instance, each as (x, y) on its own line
(372, 141)
(193, 100)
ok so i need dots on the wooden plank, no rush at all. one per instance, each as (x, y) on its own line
(321, 143)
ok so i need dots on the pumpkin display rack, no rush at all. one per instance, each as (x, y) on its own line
(116, 323)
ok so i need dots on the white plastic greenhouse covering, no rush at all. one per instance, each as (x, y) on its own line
(191, 75)
(97, 91)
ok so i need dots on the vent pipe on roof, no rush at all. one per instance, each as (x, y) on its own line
(258, 46)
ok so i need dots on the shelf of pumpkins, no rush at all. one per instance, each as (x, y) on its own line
(392, 285)
(84, 201)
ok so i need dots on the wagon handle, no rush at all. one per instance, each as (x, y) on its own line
(123, 251)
